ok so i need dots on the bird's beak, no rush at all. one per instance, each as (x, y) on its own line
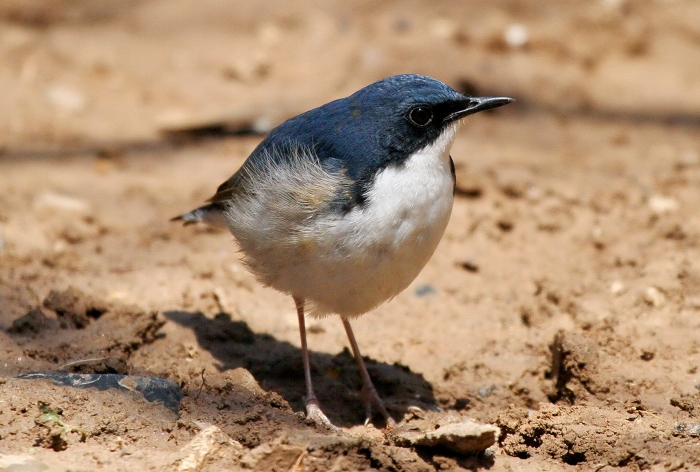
(473, 105)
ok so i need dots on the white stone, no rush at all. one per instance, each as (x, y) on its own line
(516, 35)
(660, 204)
(65, 98)
(654, 297)
(617, 287)
(59, 201)
(693, 302)
(465, 437)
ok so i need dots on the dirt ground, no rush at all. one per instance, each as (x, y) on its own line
(563, 304)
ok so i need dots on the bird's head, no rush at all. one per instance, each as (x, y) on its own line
(408, 112)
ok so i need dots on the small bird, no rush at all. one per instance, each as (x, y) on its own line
(342, 206)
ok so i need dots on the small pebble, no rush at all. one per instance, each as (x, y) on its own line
(58, 201)
(516, 35)
(462, 403)
(660, 204)
(486, 391)
(647, 354)
(654, 297)
(693, 302)
(65, 98)
(534, 194)
(469, 265)
(425, 290)
(505, 225)
(263, 124)
(692, 429)
(617, 287)
(316, 328)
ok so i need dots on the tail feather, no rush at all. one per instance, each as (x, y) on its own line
(212, 214)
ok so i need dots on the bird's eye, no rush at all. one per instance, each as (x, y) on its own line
(420, 116)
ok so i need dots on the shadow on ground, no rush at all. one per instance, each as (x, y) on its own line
(277, 366)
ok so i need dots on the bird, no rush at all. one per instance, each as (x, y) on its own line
(342, 206)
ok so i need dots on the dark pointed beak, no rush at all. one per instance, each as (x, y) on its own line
(476, 104)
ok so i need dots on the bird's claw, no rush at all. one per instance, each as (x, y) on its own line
(371, 399)
(315, 415)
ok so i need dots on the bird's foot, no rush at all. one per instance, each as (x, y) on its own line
(315, 415)
(371, 399)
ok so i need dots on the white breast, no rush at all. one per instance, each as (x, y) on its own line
(371, 254)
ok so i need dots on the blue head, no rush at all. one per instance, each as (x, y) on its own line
(378, 126)
(407, 112)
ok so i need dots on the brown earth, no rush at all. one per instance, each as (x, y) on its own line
(560, 306)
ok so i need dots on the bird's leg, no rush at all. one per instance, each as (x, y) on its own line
(313, 408)
(369, 393)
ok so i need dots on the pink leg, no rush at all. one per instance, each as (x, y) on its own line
(369, 393)
(313, 408)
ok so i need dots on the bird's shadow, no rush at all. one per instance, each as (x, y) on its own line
(277, 366)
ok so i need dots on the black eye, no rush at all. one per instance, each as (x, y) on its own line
(420, 116)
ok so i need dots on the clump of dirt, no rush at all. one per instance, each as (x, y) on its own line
(685, 403)
(575, 368)
(73, 308)
(34, 322)
(247, 413)
(83, 334)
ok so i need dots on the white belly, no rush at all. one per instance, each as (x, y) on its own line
(371, 254)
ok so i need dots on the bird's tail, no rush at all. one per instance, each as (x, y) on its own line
(212, 214)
